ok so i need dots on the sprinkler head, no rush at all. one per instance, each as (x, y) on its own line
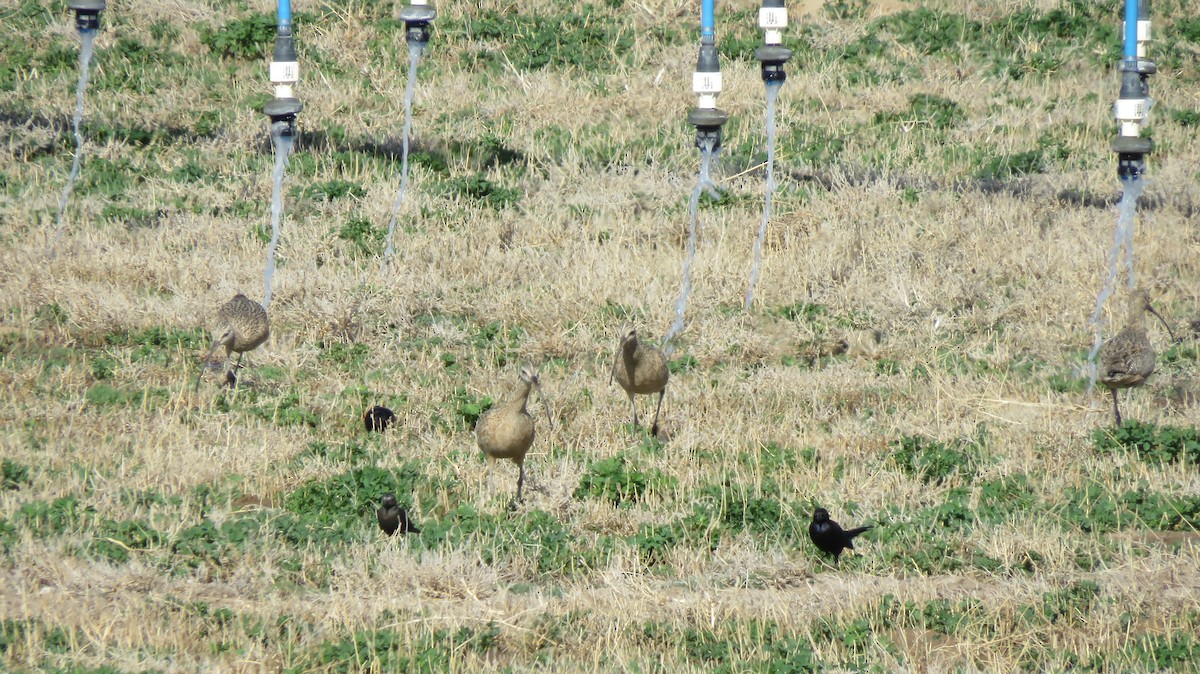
(282, 112)
(708, 123)
(1131, 156)
(87, 14)
(416, 18)
(773, 57)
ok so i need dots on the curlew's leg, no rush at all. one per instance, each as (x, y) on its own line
(231, 375)
(520, 486)
(633, 406)
(654, 426)
(1116, 409)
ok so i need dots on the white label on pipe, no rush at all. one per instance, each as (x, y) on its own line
(706, 83)
(1130, 109)
(285, 71)
(772, 17)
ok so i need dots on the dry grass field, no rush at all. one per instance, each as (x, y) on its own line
(914, 359)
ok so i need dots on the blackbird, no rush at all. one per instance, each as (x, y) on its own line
(393, 517)
(829, 535)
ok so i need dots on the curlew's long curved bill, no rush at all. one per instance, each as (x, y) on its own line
(545, 404)
(1163, 320)
(203, 364)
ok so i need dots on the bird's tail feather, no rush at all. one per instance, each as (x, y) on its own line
(854, 532)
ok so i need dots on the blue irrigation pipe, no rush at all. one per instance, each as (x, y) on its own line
(1131, 29)
(708, 24)
(284, 13)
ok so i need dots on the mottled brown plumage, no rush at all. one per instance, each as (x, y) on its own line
(1127, 360)
(640, 369)
(242, 325)
(506, 430)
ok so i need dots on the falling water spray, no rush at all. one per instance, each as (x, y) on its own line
(283, 147)
(703, 182)
(417, 18)
(772, 55)
(87, 22)
(414, 57)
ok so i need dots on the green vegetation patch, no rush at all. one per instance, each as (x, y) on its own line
(620, 482)
(391, 651)
(1150, 443)
(1096, 507)
(13, 475)
(934, 462)
(580, 38)
(246, 39)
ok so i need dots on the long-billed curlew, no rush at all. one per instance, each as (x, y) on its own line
(242, 325)
(829, 535)
(640, 368)
(506, 430)
(1127, 360)
(392, 517)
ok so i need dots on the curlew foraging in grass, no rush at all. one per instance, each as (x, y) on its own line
(640, 368)
(829, 535)
(506, 430)
(242, 325)
(393, 517)
(1127, 360)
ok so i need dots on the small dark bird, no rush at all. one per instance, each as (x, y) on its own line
(378, 418)
(393, 517)
(829, 535)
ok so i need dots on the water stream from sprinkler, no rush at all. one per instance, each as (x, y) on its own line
(283, 148)
(1122, 240)
(88, 38)
(772, 95)
(703, 182)
(414, 57)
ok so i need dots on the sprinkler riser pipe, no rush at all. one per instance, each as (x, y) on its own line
(706, 80)
(1143, 36)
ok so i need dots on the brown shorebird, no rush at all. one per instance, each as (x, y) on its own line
(1127, 360)
(640, 368)
(392, 517)
(506, 430)
(242, 325)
